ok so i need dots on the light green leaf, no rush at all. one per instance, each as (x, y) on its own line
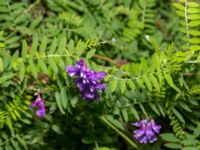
(140, 83)
(90, 53)
(131, 84)
(170, 81)
(193, 4)
(64, 98)
(34, 46)
(169, 137)
(194, 23)
(114, 84)
(53, 65)
(21, 71)
(58, 102)
(32, 68)
(24, 49)
(71, 46)
(53, 46)
(62, 45)
(173, 146)
(179, 6)
(43, 66)
(123, 86)
(147, 82)
(43, 46)
(155, 82)
(36, 22)
(195, 40)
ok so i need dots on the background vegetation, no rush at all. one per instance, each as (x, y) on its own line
(149, 50)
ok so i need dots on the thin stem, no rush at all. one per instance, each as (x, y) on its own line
(96, 145)
(119, 132)
(187, 27)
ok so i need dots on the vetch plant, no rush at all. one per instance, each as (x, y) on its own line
(147, 132)
(39, 104)
(87, 81)
(149, 56)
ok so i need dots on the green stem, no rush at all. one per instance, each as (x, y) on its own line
(119, 132)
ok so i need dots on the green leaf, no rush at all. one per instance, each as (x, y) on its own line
(154, 82)
(43, 66)
(178, 115)
(43, 46)
(71, 46)
(53, 46)
(114, 84)
(195, 40)
(194, 32)
(147, 82)
(64, 98)
(173, 146)
(194, 23)
(140, 82)
(34, 46)
(170, 81)
(1, 65)
(153, 107)
(179, 6)
(57, 129)
(131, 84)
(32, 68)
(193, 4)
(21, 71)
(24, 49)
(193, 16)
(90, 53)
(74, 101)
(169, 137)
(114, 122)
(124, 114)
(193, 10)
(53, 65)
(197, 131)
(36, 22)
(62, 45)
(123, 86)
(135, 113)
(58, 102)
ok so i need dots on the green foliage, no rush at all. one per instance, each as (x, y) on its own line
(148, 49)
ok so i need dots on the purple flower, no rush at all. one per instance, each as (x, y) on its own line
(40, 112)
(147, 131)
(86, 80)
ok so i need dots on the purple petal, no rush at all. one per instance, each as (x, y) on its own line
(143, 140)
(152, 139)
(81, 86)
(101, 86)
(41, 112)
(80, 63)
(71, 70)
(156, 128)
(33, 104)
(149, 131)
(100, 75)
(139, 123)
(139, 133)
(89, 95)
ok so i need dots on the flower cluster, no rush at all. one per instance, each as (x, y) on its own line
(40, 112)
(87, 81)
(148, 131)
